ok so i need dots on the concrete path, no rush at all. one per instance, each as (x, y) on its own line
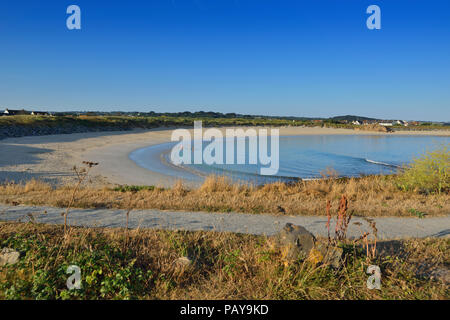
(388, 227)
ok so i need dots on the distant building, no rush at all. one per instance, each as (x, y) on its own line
(39, 113)
(402, 123)
(9, 112)
(385, 124)
(356, 122)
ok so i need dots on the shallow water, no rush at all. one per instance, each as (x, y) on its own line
(306, 157)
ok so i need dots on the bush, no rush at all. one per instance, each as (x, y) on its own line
(429, 173)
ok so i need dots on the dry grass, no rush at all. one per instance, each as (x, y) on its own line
(369, 196)
(225, 266)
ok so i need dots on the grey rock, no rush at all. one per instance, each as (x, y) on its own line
(441, 274)
(8, 256)
(295, 242)
(330, 255)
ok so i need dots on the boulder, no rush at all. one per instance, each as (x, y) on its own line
(328, 254)
(441, 274)
(183, 262)
(8, 256)
(295, 242)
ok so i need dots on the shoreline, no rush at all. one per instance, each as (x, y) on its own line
(51, 158)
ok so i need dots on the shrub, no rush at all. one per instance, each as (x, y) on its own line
(429, 173)
(127, 188)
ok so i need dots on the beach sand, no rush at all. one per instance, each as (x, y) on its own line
(51, 158)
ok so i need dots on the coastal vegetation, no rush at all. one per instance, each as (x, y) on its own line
(429, 173)
(142, 264)
(26, 125)
(370, 196)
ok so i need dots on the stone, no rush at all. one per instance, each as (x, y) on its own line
(295, 242)
(438, 274)
(183, 263)
(328, 254)
(8, 256)
(441, 274)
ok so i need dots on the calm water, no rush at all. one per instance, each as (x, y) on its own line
(307, 157)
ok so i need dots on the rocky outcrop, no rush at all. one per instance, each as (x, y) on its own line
(295, 242)
(8, 256)
(298, 244)
(373, 127)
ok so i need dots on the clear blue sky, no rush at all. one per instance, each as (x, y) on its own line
(272, 57)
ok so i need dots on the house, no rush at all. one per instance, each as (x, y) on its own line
(385, 124)
(356, 122)
(402, 122)
(39, 113)
(9, 112)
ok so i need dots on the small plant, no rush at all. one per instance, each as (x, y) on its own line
(370, 246)
(342, 223)
(82, 174)
(418, 213)
(127, 188)
(230, 260)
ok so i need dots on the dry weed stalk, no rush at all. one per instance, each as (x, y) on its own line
(82, 174)
(342, 223)
(129, 209)
(329, 219)
(342, 220)
(371, 248)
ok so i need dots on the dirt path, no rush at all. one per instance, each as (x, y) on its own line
(388, 227)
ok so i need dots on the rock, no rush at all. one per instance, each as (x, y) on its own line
(8, 256)
(183, 262)
(327, 254)
(441, 274)
(295, 242)
(280, 209)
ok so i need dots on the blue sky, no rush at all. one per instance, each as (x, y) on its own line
(271, 57)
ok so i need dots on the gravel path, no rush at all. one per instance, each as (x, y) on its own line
(388, 227)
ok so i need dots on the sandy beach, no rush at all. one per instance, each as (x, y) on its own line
(51, 158)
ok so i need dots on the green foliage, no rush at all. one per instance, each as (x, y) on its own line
(429, 173)
(417, 213)
(127, 188)
(230, 262)
(107, 272)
